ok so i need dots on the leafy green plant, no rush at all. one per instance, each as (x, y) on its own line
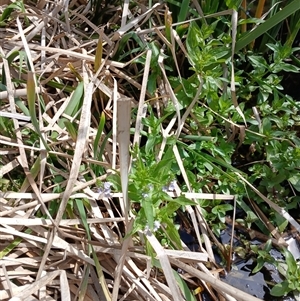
(291, 271)
(149, 183)
(5, 16)
(263, 255)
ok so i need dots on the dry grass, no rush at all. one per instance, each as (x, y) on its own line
(52, 259)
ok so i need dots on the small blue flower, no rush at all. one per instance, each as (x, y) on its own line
(156, 225)
(165, 189)
(107, 185)
(172, 185)
(155, 228)
(105, 189)
(145, 195)
(150, 186)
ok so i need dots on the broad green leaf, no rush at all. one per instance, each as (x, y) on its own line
(147, 206)
(291, 262)
(181, 200)
(168, 210)
(150, 144)
(295, 181)
(172, 233)
(192, 42)
(115, 180)
(260, 263)
(280, 289)
(258, 61)
(281, 222)
(222, 208)
(162, 168)
(268, 246)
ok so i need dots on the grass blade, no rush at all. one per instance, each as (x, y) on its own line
(264, 27)
(98, 135)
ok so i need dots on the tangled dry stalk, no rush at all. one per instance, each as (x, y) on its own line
(57, 62)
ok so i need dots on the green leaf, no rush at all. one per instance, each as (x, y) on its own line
(115, 180)
(281, 222)
(147, 207)
(166, 211)
(162, 169)
(280, 289)
(151, 84)
(10, 247)
(74, 103)
(188, 295)
(291, 262)
(258, 61)
(101, 278)
(192, 42)
(151, 142)
(295, 181)
(268, 246)
(71, 129)
(98, 135)
(182, 200)
(18, 5)
(172, 233)
(31, 104)
(124, 41)
(289, 68)
(233, 4)
(221, 208)
(260, 263)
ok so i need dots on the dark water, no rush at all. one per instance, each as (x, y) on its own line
(240, 276)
